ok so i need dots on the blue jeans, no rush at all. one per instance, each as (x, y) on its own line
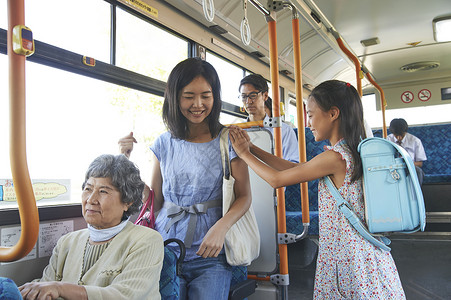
(205, 279)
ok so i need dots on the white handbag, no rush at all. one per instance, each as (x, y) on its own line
(242, 241)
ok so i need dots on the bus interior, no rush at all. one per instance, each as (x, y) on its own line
(114, 56)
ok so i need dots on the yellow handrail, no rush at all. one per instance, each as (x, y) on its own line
(356, 61)
(300, 112)
(21, 178)
(383, 103)
(280, 192)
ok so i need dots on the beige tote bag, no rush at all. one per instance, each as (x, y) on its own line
(242, 241)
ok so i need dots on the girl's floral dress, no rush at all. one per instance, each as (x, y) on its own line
(348, 266)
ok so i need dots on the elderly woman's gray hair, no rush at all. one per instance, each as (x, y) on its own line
(124, 176)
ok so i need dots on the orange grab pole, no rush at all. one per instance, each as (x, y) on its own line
(383, 104)
(255, 277)
(300, 112)
(274, 68)
(358, 71)
(247, 124)
(21, 179)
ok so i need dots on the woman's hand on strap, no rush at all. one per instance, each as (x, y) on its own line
(126, 144)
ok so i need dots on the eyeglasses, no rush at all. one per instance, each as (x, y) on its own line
(252, 96)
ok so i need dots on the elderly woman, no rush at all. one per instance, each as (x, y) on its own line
(112, 258)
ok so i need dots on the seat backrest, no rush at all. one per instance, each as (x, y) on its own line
(264, 204)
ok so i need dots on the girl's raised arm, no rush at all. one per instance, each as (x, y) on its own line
(326, 163)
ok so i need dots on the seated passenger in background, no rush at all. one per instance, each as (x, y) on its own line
(254, 93)
(112, 258)
(412, 144)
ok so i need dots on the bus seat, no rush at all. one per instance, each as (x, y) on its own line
(9, 290)
(169, 281)
(436, 142)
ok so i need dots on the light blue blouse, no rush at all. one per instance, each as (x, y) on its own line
(192, 173)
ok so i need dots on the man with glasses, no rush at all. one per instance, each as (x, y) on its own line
(254, 92)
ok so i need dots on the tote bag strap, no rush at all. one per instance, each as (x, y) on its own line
(346, 209)
(224, 145)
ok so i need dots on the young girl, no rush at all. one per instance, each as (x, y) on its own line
(187, 179)
(348, 266)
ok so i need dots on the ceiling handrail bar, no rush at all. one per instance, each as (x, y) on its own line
(358, 69)
(28, 211)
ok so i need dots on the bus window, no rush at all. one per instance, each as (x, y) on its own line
(230, 76)
(72, 119)
(418, 115)
(147, 49)
(59, 23)
(4, 18)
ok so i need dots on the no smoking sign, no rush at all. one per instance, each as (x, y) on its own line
(424, 95)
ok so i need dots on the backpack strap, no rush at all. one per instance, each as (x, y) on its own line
(346, 209)
(416, 184)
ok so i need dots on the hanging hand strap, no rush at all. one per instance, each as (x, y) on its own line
(346, 209)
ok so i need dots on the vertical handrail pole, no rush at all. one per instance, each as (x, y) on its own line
(300, 121)
(21, 178)
(383, 103)
(274, 68)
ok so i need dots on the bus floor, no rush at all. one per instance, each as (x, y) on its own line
(423, 261)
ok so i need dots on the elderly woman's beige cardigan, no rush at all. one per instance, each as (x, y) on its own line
(128, 269)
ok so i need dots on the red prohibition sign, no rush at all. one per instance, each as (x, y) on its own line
(407, 97)
(424, 95)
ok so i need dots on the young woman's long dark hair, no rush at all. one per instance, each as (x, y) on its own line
(182, 74)
(346, 98)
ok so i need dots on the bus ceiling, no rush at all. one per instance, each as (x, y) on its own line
(369, 36)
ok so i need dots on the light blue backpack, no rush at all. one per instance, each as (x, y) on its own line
(393, 198)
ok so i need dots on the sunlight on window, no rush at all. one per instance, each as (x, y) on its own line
(72, 119)
(3, 15)
(230, 76)
(81, 26)
(414, 116)
(147, 49)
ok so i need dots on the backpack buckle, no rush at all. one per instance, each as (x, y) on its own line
(395, 175)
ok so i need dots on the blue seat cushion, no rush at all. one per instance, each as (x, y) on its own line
(169, 281)
(294, 222)
(239, 274)
(9, 290)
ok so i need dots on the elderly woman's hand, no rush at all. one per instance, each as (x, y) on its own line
(51, 290)
(126, 144)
